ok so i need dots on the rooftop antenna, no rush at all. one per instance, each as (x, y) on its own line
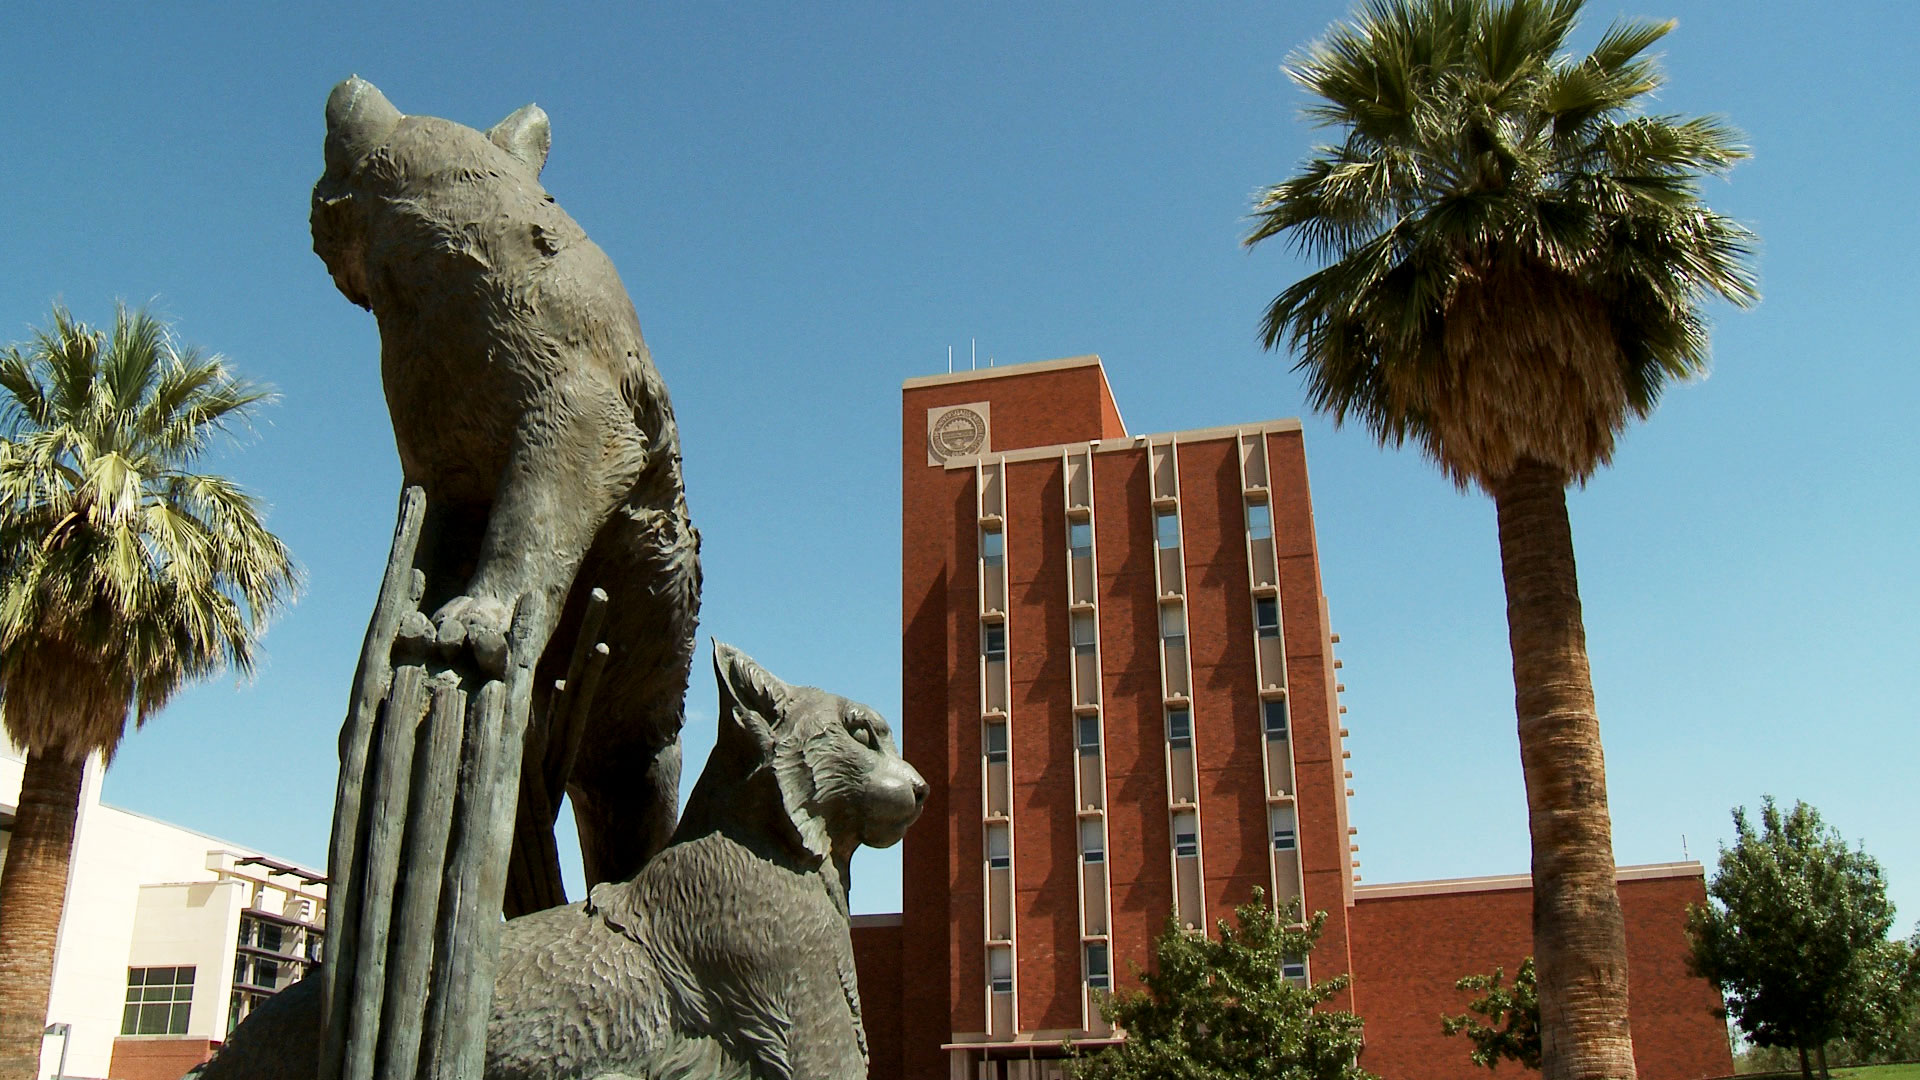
(974, 344)
(949, 359)
(1684, 857)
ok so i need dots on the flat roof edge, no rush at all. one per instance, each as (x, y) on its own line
(892, 918)
(1001, 371)
(1503, 882)
(1108, 446)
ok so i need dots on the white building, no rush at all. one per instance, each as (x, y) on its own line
(169, 936)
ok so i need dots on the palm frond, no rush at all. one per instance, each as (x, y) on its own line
(27, 404)
(136, 575)
(1624, 41)
(1514, 253)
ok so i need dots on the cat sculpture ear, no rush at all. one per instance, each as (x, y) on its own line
(526, 135)
(753, 720)
(359, 118)
(751, 703)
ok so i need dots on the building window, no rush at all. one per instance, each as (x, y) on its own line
(1093, 840)
(1179, 728)
(1186, 834)
(1173, 623)
(240, 1003)
(1083, 637)
(1000, 970)
(1294, 967)
(993, 549)
(1166, 530)
(1080, 539)
(1273, 716)
(999, 847)
(1093, 845)
(1097, 974)
(1259, 521)
(1089, 734)
(995, 645)
(1266, 616)
(1282, 824)
(159, 1001)
(997, 743)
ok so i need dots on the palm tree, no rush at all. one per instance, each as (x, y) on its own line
(1515, 258)
(123, 576)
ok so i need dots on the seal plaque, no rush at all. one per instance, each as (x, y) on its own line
(956, 431)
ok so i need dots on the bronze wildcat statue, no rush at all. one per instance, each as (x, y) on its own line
(728, 956)
(526, 405)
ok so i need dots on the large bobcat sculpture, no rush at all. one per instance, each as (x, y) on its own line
(526, 405)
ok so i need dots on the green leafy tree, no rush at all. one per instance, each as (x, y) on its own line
(1510, 1030)
(1224, 1009)
(124, 575)
(1796, 938)
(1516, 260)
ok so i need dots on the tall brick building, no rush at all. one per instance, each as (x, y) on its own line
(1120, 684)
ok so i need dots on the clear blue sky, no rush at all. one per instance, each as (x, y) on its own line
(810, 203)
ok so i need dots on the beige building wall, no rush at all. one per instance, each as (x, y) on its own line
(141, 893)
(191, 924)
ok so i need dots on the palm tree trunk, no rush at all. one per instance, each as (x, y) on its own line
(1579, 936)
(33, 892)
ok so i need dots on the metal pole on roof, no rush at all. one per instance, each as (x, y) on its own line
(65, 1031)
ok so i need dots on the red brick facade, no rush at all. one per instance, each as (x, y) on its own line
(1011, 469)
(876, 960)
(1411, 943)
(149, 1058)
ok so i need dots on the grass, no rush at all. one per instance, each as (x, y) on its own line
(1909, 1070)
(1906, 1071)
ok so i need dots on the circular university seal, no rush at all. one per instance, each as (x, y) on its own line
(957, 433)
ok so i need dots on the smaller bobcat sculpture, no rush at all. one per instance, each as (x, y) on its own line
(728, 956)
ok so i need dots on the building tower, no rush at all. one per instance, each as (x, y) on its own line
(1119, 683)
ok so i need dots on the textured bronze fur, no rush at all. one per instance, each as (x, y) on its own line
(728, 956)
(525, 403)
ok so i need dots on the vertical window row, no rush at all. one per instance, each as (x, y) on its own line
(996, 752)
(1090, 783)
(1176, 668)
(1270, 665)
